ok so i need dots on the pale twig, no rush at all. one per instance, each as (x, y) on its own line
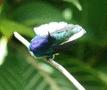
(67, 74)
(22, 39)
(53, 63)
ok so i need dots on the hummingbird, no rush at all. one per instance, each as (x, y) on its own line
(48, 38)
(52, 35)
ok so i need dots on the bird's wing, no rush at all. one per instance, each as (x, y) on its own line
(60, 30)
(52, 27)
(80, 32)
(69, 33)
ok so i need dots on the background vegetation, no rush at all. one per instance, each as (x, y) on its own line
(86, 59)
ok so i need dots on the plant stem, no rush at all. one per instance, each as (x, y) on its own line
(22, 39)
(67, 74)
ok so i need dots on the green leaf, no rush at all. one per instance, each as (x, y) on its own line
(7, 27)
(94, 21)
(85, 74)
(86, 60)
(76, 3)
(20, 73)
(33, 13)
(1, 6)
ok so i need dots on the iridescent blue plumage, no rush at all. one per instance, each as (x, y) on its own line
(42, 46)
(51, 35)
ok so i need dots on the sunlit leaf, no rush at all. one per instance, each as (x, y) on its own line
(3, 49)
(7, 27)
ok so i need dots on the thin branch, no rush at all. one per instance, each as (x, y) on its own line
(22, 39)
(66, 74)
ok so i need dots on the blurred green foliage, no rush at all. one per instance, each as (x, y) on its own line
(86, 59)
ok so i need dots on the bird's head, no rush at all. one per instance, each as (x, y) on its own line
(40, 44)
